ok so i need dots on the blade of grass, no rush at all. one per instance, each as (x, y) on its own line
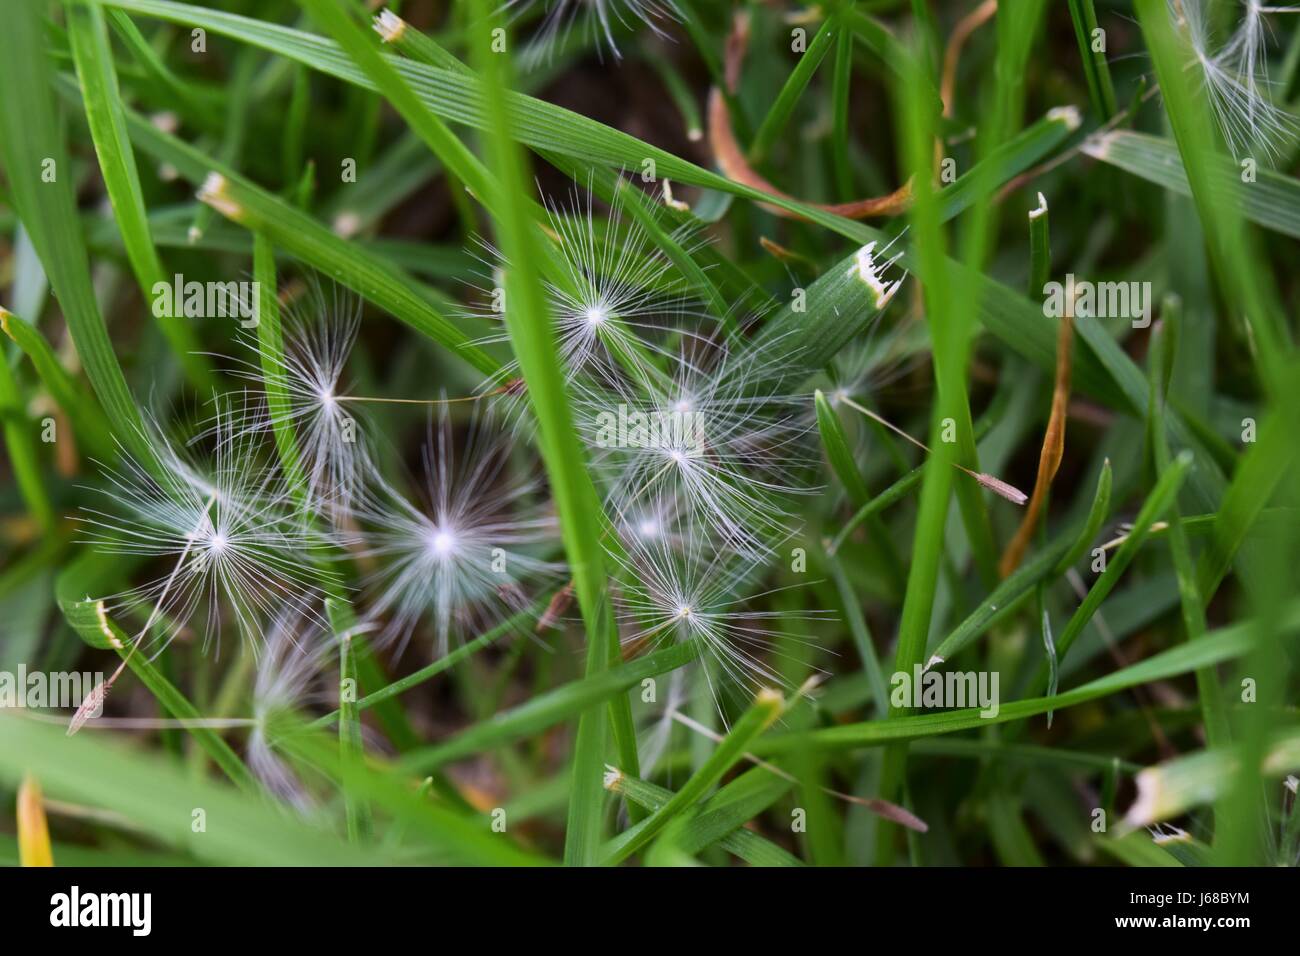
(1168, 790)
(1190, 599)
(88, 35)
(1157, 504)
(1095, 67)
(949, 337)
(778, 114)
(240, 829)
(87, 420)
(89, 619)
(351, 750)
(1223, 645)
(766, 708)
(20, 444)
(841, 77)
(1271, 201)
(1097, 513)
(846, 469)
(549, 708)
(533, 337)
(33, 828)
(32, 143)
(722, 817)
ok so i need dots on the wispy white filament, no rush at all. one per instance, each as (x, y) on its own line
(458, 557)
(232, 547)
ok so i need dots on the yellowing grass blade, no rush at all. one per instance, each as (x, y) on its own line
(33, 830)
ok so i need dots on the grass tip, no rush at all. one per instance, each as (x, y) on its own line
(1069, 115)
(101, 618)
(165, 120)
(33, 829)
(1146, 806)
(346, 224)
(1172, 834)
(870, 274)
(215, 192)
(671, 202)
(1041, 210)
(389, 26)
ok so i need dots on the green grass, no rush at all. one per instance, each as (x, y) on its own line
(587, 710)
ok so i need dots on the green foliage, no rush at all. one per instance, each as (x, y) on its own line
(673, 668)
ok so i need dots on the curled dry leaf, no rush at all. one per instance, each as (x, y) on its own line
(1049, 459)
(731, 158)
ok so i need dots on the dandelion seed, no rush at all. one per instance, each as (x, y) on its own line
(559, 604)
(306, 392)
(240, 554)
(616, 294)
(721, 444)
(999, 487)
(595, 18)
(873, 361)
(672, 595)
(297, 653)
(994, 484)
(1235, 77)
(459, 559)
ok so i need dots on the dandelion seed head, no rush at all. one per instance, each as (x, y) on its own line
(229, 547)
(594, 19)
(722, 442)
(290, 676)
(441, 543)
(616, 295)
(309, 368)
(678, 588)
(461, 556)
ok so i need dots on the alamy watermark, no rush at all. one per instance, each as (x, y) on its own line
(58, 690)
(1099, 300)
(676, 429)
(133, 911)
(924, 689)
(207, 300)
